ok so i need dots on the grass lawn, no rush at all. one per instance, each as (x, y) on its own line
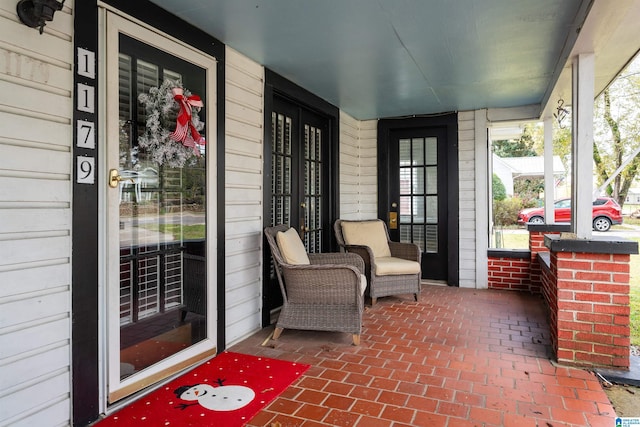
(515, 241)
(634, 282)
(180, 232)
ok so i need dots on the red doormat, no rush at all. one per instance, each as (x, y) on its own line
(226, 391)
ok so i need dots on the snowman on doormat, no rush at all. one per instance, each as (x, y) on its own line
(221, 398)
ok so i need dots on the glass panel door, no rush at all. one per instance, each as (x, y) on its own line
(158, 205)
(162, 221)
(299, 171)
(419, 195)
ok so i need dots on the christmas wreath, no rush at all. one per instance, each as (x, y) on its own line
(167, 106)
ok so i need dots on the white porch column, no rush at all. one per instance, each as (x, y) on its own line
(583, 81)
(549, 177)
(483, 215)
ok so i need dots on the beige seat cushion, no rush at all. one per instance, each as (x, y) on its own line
(387, 266)
(291, 247)
(367, 233)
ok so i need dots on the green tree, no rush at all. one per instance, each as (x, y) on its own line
(497, 187)
(528, 189)
(521, 147)
(617, 132)
(562, 144)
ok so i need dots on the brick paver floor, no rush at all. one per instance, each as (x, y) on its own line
(458, 357)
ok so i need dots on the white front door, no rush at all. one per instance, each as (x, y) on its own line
(160, 207)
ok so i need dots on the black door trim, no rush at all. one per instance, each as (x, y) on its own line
(450, 122)
(278, 86)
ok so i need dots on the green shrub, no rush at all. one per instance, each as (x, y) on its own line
(505, 212)
(497, 187)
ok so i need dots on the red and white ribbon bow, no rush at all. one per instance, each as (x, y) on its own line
(186, 132)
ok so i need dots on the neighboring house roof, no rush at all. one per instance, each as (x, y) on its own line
(508, 168)
(532, 166)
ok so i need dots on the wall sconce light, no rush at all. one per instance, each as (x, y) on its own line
(35, 13)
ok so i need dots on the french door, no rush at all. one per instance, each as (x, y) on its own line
(160, 245)
(300, 168)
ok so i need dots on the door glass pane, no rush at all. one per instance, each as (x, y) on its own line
(418, 181)
(418, 152)
(405, 210)
(432, 209)
(431, 239)
(405, 233)
(418, 210)
(162, 218)
(418, 236)
(405, 152)
(431, 173)
(431, 151)
(405, 180)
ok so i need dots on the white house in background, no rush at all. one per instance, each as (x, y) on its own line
(313, 110)
(632, 202)
(510, 168)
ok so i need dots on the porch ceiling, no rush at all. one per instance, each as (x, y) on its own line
(389, 58)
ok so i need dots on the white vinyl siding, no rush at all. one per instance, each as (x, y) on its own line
(466, 198)
(244, 169)
(368, 196)
(36, 88)
(358, 168)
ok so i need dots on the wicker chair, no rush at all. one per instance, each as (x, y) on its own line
(385, 284)
(324, 295)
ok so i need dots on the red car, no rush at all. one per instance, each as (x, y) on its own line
(606, 212)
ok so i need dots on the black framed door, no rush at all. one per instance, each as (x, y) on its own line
(418, 194)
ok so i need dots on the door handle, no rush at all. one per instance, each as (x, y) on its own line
(115, 178)
(393, 216)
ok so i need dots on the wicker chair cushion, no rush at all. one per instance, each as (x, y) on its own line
(388, 266)
(367, 233)
(291, 247)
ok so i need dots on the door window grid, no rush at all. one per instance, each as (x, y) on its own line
(282, 188)
(419, 192)
(281, 161)
(313, 188)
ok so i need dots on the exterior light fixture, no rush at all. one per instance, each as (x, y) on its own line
(35, 13)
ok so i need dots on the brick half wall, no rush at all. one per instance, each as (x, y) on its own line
(586, 287)
(509, 269)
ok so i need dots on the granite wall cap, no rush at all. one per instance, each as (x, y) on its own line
(595, 245)
(509, 253)
(555, 228)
